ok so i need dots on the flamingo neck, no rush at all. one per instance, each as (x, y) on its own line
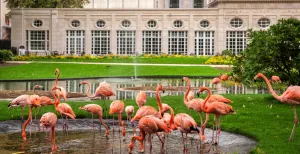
(269, 86)
(187, 91)
(207, 97)
(172, 126)
(26, 123)
(56, 100)
(158, 100)
(88, 90)
(56, 80)
(101, 120)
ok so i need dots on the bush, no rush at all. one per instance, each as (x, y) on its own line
(227, 53)
(220, 60)
(5, 55)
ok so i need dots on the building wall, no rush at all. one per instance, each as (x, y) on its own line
(3, 12)
(58, 21)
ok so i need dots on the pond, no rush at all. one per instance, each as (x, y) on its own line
(127, 88)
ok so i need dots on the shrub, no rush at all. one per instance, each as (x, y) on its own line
(5, 55)
(227, 53)
(220, 60)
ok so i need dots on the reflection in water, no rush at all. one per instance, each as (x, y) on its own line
(227, 87)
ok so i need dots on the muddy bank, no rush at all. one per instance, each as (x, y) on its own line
(81, 138)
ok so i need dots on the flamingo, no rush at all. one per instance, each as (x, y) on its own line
(129, 111)
(148, 125)
(216, 80)
(63, 108)
(275, 78)
(20, 101)
(62, 91)
(103, 90)
(149, 110)
(33, 101)
(95, 109)
(117, 106)
(185, 124)
(216, 108)
(195, 103)
(290, 96)
(140, 99)
(49, 120)
(223, 77)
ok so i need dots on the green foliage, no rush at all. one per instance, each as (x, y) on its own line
(220, 60)
(45, 3)
(226, 53)
(5, 55)
(273, 52)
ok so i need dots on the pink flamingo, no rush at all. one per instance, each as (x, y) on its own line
(190, 96)
(216, 80)
(149, 125)
(49, 120)
(63, 108)
(223, 77)
(216, 108)
(275, 79)
(290, 96)
(141, 99)
(196, 103)
(95, 109)
(129, 111)
(61, 91)
(33, 101)
(21, 101)
(103, 90)
(117, 106)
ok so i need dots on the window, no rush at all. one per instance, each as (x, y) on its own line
(178, 42)
(37, 40)
(178, 23)
(37, 23)
(263, 22)
(204, 23)
(75, 42)
(125, 42)
(236, 22)
(204, 43)
(100, 23)
(174, 3)
(75, 23)
(152, 42)
(100, 42)
(126, 23)
(198, 4)
(152, 23)
(236, 41)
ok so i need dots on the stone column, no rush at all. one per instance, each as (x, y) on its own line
(164, 34)
(88, 37)
(113, 35)
(191, 36)
(139, 35)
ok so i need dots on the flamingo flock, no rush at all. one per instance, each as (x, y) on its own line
(150, 120)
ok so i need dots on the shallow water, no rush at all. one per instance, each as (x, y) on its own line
(81, 138)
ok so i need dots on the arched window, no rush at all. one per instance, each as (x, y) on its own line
(37, 23)
(75, 23)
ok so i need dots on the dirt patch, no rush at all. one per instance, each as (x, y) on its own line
(16, 93)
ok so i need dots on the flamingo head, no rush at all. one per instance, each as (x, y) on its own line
(54, 148)
(24, 136)
(82, 82)
(55, 87)
(160, 87)
(44, 121)
(56, 71)
(185, 79)
(131, 145)
(201, 89)
(257, 76)
(166, 108)
(38, 87)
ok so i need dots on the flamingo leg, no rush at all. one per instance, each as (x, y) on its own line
(150, 142)
(183, 142)
(93, 120)
(113, 124)
(22, 117)
(162, 142)
(201, 119)
(295, 122)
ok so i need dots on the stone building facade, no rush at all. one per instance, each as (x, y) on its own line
(153, 27)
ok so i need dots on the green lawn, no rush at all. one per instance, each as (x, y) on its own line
(46, 70)
(260, 117)
(161, 60)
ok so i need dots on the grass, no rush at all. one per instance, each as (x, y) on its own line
(161, 60)
(46, 70)
(260, 117)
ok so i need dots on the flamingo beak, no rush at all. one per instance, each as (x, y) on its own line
(198, 94)
(79, 85)
(163, 91)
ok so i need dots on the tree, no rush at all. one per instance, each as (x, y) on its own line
(45, 3)
(275, 51)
